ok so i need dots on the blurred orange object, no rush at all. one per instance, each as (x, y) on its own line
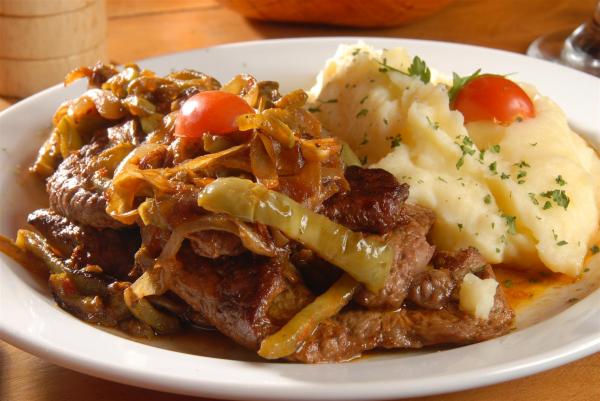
(354, 13)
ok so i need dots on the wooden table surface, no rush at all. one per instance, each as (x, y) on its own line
(143, 28)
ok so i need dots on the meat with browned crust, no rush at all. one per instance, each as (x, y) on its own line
(372, 205)
(245, 297)
(76, 191)
(437, 286)
(110, 249)
(349, 334)
(412, 252)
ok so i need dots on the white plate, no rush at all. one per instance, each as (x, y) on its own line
(30, 320)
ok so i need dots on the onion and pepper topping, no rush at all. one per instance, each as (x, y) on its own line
(365, 258)
(287, 340)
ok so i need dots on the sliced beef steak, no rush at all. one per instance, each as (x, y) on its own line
(350, 333)
(245, 297)
(76, 189)
(437, 286)
(412, 254)
(110, 249)
(373, 203)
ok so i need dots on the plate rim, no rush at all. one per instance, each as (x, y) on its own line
(124, 374)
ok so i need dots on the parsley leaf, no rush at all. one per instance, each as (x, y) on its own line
(487, 199)
(419, 69)
(560, 181)
(594, 249)
(561, 243)
(495, 148)
(493, 167)
(510, 222)
(559, 197)
(395, 141)
(458, 82)
(533, 199)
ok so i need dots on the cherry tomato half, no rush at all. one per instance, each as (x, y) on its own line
(493, 98)
(210, 111)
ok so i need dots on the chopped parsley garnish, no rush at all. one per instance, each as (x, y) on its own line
(355, 51)
(467, 148)
(385, 121)
(561, 243)
(508, 283)
(594, 249)
(365, 140)
(330, 101)
(533, 144)
(533, 199)
(362, 113)
(314, 109)
(573, 300)
(458, 82)
(560, 181)
(460, 226)
(520, 175)
(495, 148)
(510, 223)
(434, 125)
(395, 141)
(481, 155)
(558, 196)
(487, 199)
(522, 164)
(504, 176)
(364, 99)
(442, 180)
(547, 205)
(554, 234)
(418, 68)
(493, 168)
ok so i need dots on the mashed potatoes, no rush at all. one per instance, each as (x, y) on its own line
(523, 193)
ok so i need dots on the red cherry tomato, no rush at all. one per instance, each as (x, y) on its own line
(493, 98)
(210, 111)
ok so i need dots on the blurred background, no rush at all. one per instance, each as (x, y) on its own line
(40, 40)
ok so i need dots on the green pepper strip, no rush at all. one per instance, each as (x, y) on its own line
(365, 258)
(287, 340)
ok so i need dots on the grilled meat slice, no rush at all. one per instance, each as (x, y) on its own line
(110, 249)
(437, 286)
(350, 333)
(412, 254)
(373, 203)
(75, 190)
(245, 297)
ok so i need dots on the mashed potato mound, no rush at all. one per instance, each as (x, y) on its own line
(523, 193)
